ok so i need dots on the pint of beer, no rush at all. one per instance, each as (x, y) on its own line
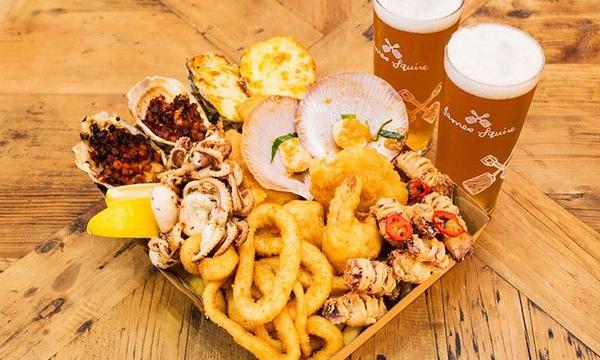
(409, 39)
(492, 72)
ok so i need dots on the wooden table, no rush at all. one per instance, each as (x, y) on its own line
(531, 291)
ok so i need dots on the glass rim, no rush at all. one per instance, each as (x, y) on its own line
(537, 74)
(462, 3)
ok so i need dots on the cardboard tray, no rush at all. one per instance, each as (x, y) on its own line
(476, 220)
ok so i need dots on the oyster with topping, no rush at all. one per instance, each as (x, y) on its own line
(113, 152)
(165, 110)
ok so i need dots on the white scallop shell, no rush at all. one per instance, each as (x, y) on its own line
(81, 149)
(370, 98)
(271, 119)
(140, 95)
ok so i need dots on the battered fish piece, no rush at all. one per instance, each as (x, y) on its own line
(345, 236)
(267, 195)
(310, 217)
(376, 173)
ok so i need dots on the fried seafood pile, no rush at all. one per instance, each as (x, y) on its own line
(299, 231)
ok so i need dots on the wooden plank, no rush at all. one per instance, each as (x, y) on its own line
(325, 15)
(231, 25)
(549, 255)
(57, 292)
(566, 29)
(107, 51)
(549, 339)
(36, 135)
(156, 321)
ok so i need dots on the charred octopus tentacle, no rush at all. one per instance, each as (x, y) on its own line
(213, 200)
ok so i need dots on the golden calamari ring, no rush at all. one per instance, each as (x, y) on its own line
(272, 303)
(219, 267)
(326, 330)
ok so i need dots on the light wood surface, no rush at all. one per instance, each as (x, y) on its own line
(531, 291)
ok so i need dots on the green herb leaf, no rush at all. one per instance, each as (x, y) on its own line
(348, 116)
(380, 129)
(388, 133)
(280, 140)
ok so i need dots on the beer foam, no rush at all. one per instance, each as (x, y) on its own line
(493, 61)
(419, 16)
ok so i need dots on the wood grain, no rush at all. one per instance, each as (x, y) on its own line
(58, 291)
(62, 59)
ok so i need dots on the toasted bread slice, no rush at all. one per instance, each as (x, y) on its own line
(278, 66)
(218, 82)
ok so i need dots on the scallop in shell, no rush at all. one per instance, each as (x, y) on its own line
(113, 152)
(368, 97)
(165, 110)
(271, 119)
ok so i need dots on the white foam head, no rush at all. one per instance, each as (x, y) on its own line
(493, 61)
(419, 16)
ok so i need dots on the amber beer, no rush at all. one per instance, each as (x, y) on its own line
(409, 40)
(492, 72)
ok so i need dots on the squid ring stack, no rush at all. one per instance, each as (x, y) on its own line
(272, 303)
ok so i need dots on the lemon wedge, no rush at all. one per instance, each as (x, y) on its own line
(128, 192)
(132, 218)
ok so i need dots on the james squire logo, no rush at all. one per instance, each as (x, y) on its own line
(485, 129)
(389, 50)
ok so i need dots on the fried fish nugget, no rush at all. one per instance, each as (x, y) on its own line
(266, 308)
(219, 267)
(326, 330)
(346, 237)
(310, 218)
(377, 173)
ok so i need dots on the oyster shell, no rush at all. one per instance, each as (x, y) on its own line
(271, 119)
(168, 99)
(127, 146)
(367, 96)
(217, 84)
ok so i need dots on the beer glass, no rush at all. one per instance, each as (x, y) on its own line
(492, 71)
(409, 38)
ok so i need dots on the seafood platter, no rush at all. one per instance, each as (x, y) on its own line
(286, 207)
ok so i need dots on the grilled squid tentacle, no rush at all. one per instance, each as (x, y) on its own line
(353, 309)
(417, 167)
(369, 277)
(459, 246)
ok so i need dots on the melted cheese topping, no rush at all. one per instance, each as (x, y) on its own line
(278, 66)
(219, 82)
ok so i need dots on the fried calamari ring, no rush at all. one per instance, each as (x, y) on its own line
(234, 314)
(303, 275)
(350, 333)
(189, 249)
(257, 346)
(317, 264)
(301, 319)
(219, 267)
(272, 303)
(339, 285)
(326, 330)
(264, 277)
(261, 332)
